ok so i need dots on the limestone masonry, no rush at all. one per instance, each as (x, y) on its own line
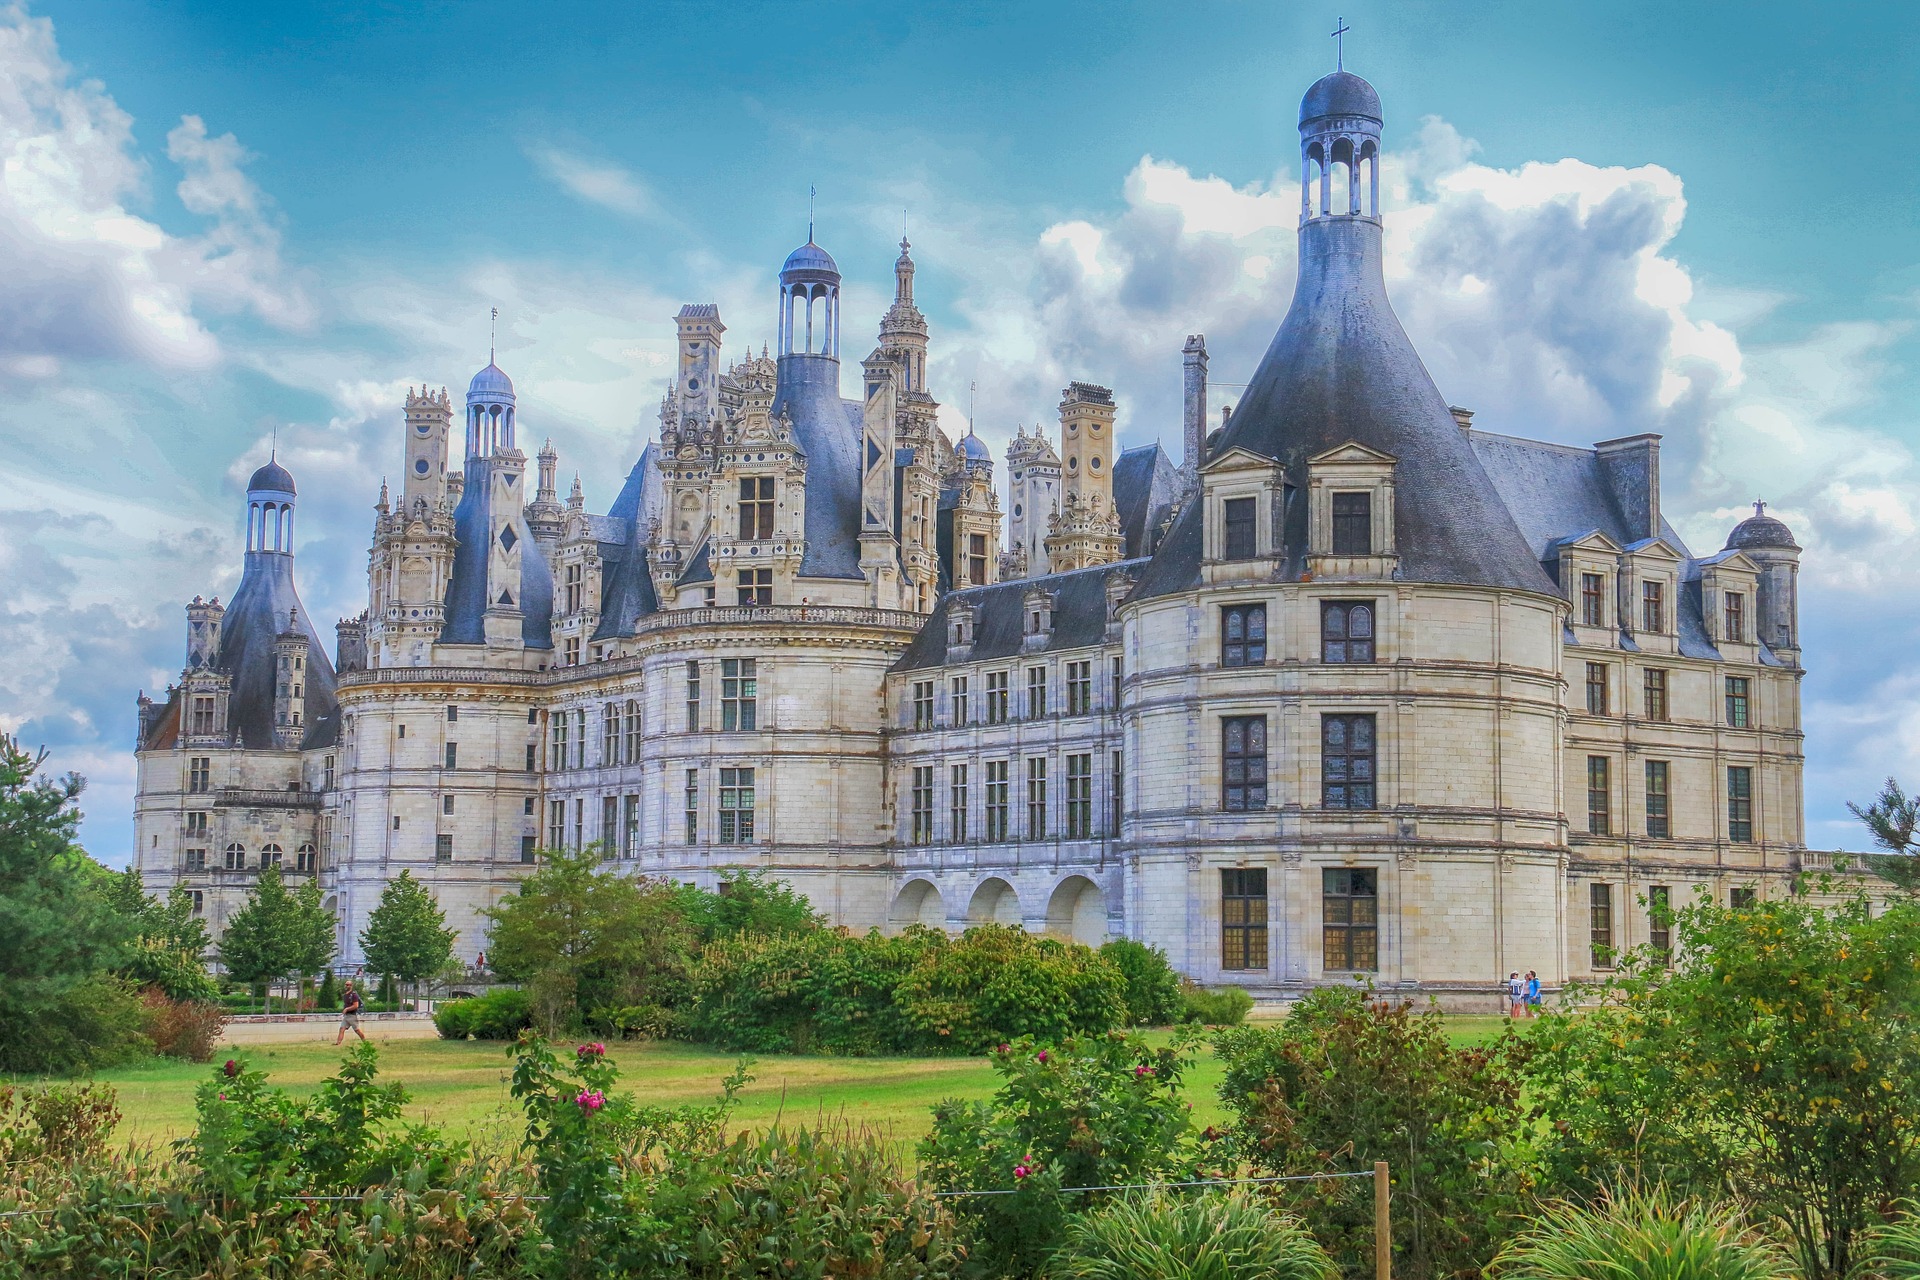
(1354, 688)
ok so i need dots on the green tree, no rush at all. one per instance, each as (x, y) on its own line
(1892, 818)
(1778, 1061)
(59, 935)
(278, 934)
(407, 934)
(169, 939)
(587, 940)
(748, 901)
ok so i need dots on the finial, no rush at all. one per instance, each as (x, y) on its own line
(809, 213)
(1759, 507)
(491, 323)
(273, 450)
(973, 398)
(1340, 30)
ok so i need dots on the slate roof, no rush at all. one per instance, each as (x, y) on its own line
(828, 430)
(1557, 492)
(1146, 486)
(1079, 616)
(629, 594)
(473, 522)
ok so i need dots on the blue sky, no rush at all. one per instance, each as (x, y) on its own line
(222, 221)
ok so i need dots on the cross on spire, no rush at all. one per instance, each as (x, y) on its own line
(1340, 30)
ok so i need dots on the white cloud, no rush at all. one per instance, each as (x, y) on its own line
(596, 181)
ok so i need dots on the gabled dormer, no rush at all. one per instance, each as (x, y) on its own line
(1648, 595)
(1036, 618)
(962, 626)
(1350, 515)
(1242, 536)
(1729, 595)
(1586, 566)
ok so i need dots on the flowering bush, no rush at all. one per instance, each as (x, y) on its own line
(1092, 1111)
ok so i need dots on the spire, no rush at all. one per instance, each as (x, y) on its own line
(903, 276)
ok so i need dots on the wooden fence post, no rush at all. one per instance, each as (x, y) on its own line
(1382, 1224)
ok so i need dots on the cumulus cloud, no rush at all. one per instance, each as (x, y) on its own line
(595, 181)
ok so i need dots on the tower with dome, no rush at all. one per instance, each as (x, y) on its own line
(1355, 687)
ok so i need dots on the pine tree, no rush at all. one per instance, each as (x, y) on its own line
(407, 936)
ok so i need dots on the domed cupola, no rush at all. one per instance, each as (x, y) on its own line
(809, 323)
(1761, 531)
(973, 452)
(1340, 148)
(270, 499)
(490, 412)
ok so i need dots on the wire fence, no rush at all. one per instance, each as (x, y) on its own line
(1159, 1186)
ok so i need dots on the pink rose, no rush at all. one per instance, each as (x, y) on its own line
(1005, 1048)
(1041, 1056)
(232, 1068)
(1142, 1070)
(1022, 1170)
(223, 1097)
(591, 1101)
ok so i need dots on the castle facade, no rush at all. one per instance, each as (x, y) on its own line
(1353, 688)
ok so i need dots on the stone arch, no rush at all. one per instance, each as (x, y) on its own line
(1078, 911)
(918, 902)
(994, 902)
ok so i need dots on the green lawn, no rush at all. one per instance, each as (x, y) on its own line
(462, 1085)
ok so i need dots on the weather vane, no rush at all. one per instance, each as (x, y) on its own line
(1340, 29)
(490, 327)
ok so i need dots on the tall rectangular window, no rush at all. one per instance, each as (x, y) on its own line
(1736, 617)
(1116, 797)
(446, 803)
(610, 825)
(1036, 693)
(1115, 681)
(756, 508)
(203, 716)
(1600, 925)
(996, 697)
(1599, 797)
(957, 804)
(1243, 763)
(1080, 797)
(923, 704)
(997, 801)
(570, 652)
(962, 713)
(533, 757)
(556, 824)
(1350, 919)
(1659, 816)
(200, 773)
(1740, 804)
(1079, 688)
(693, 697)
(1737, 717)
(1243, 918)
(197, 824)
(739, 694)
(1243, 635)
(1353, 524)
(580, 738)
(443, 848)
(575, 579)
(1653, 607)
(1240, 515)
(921, 823)
(199, 900)
(580, 822)
(1660, 922)
(630, 829)
(453, 755)
(633, 730)
(977, 559)
(1346, 631)
(527, 849)
(690, 804)
(610, 734)
(754, 587)
(326, 773)
(1346, 762)
(1596, 688)
(736, 806)
(1656, 690)
(560, 723)
(1593, 598)
(1036, 798)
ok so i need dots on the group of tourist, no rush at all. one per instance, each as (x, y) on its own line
(1523, 995)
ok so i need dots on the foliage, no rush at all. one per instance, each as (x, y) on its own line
(327, 999)
(1892, 817)
(59, 932)
(583, 938)
(1641, 1237)
(1779, 1060)
(255, 1142)
(1153, 997)
(1164, 1236)
(277, 934)
(498, 1015)
(407, 934)
(182, 1028)
(1347, 1080)
(997, 982)
(825, 991)
(59, 1123)
(1214, 1006)
(175, 973)
(748, 901)
(1092, 1111)
(1892, 1250)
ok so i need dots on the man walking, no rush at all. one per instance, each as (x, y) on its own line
(349, 1014)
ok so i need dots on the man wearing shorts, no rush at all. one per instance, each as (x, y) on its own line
(349, 1014)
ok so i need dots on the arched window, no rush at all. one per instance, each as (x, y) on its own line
(306, 858)
(236, 859)
(269, 856)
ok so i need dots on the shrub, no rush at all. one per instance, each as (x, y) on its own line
(328, 999)
(1162, 1236)
(1092, 1111)
(1153, 994)
(63, 1123)
(996, 982)
(1641, 1237)
(748, 901)
(823, 991)
(1347, 1080)
(1214, 1006)
(182, 1028)
(179, 974)
(1892, 1251)
(498, 1015)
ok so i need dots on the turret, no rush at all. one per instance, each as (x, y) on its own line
(270, 499)
(976, 517)
(290, 685)
(429, 428)
(1769, 544)
(903, 330)
(697, 386)
(1033, 486)
(350, 645)
(1086, 530)
(544, 513)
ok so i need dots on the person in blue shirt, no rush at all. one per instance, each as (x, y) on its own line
(1533, 994)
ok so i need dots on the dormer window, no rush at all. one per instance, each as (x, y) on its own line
(1593, 597)
(1736, 617)
(1037, 609)
(756, 508)
(1653, 607)
(1353, 524)
(1241, 515)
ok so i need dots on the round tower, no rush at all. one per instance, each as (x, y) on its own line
(1340, 149)
(1769, 544)
(809, 303)
(270, 499)
(489, 413)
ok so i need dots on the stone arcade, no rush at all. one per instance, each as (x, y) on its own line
(1354, 688)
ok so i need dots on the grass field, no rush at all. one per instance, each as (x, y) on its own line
(462, 1085)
